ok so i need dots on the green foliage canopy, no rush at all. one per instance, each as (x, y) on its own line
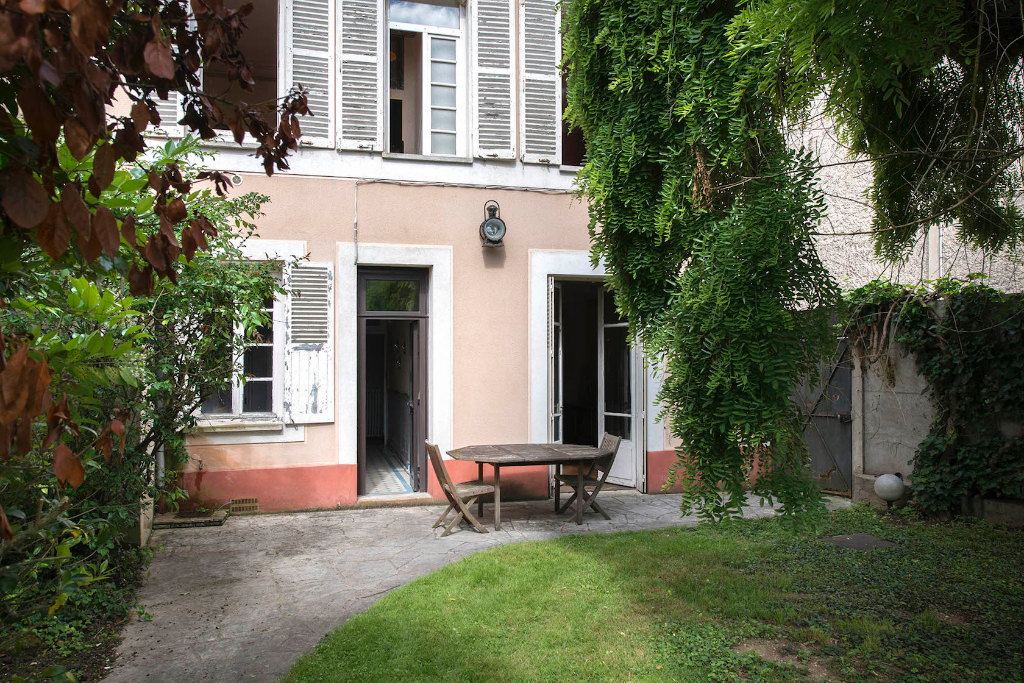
(930, 92)
(703, 217)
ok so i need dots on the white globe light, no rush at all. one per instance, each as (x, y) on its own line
(889, 487)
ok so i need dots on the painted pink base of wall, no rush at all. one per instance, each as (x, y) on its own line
(327, 486)
(658, 463)
(278, 488)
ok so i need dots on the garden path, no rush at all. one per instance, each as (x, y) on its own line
(242, 601)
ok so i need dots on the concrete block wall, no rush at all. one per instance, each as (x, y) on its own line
(892, 413)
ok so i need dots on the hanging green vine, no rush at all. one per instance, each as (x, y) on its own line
(968, 342)
(704, 219)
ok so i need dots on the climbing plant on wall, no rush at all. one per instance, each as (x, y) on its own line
(966, 339)
(703, 217)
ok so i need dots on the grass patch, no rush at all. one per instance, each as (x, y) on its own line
(748, 601)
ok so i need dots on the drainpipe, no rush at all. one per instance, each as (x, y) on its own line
(160, 465)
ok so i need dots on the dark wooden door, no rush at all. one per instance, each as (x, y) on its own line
(826, 403)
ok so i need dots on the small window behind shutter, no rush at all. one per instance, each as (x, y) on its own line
(495, 89)
(309, 62)
(541, 108)
(361, 74)
(309, 344)
(170, 114)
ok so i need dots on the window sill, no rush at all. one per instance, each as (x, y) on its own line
(428, 157)
(570, 169)
(239, 424)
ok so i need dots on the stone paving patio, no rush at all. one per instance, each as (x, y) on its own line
(242, 601)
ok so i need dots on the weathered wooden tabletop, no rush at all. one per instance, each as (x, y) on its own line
(528, 453)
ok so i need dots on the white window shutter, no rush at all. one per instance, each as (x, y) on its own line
(308, 37)
(541, 84)
(362, 82)
(170, 113)
(494, 85)
(309, 344)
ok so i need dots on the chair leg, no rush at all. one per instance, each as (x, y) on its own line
(465, 508)
(440, 520)
(452, 524)
(567, 503)
(597, 506)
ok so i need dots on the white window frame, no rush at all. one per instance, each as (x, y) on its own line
(275, 416)
(462, 113)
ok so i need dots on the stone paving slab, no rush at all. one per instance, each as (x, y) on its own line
(241, 602)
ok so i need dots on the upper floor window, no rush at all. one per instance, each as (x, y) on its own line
(426, 77)
(259, 45)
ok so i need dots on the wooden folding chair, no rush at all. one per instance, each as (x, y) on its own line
(460, 496)
(601, 468)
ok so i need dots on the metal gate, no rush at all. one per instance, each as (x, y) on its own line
(828, 424)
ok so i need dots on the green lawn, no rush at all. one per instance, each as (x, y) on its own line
(946, 604)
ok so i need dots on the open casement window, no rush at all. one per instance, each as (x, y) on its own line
(258, 396)
(493, 79)
(308, 60)
(260, 43)
(361, 47)
(427, 112)
(540, 81)
(309, 344)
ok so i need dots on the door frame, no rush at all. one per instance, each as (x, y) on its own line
(637, 379)
(421, 386)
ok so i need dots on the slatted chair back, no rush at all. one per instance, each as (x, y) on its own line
(604, 463)
(441, 471)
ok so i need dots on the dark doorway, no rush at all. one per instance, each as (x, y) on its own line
(579, 372)
(392, 381)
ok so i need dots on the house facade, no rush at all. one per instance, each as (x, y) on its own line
(404, 324)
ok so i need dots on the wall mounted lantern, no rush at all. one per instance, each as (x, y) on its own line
(492, 230)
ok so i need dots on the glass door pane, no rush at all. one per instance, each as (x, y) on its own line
(443, 95)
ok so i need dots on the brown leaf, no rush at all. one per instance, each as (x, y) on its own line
(75, 208)
(105, 445)
(5, 526)
(128, 229)
(176, 211)
(79, 139)
(159, 61)
(140, 116)
(90, 24)
(89, 245)
(40, 394)
(189, 244)
(140, 282)
(54, 233)
(15, 391)
(117, 427)
(25, 199)
(103, 165)
(104, 228)
(40, 114)
(32, 6)
(168, 231)
(67, 466)
(5, 442)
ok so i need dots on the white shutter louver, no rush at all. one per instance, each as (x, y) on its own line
(361, 75)
(309, 62)
(495, 89)
(170, 114)
(309, 344)
(541, 92)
